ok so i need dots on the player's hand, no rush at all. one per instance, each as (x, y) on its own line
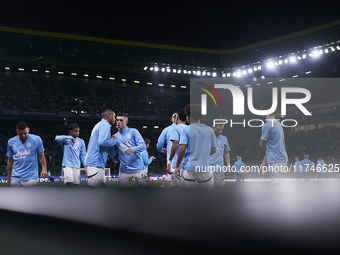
(177, 172)
(168, 168)
(128, 151)
(43, 173)
(153, 158)
(113, 138)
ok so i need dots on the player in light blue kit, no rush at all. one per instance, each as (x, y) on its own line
(216, 159)
(164, 139)
(23, 152)
(197, 143)
(297, 168)
(73, 148)
(320, 167)
(99, 147)
(174, 138)
(306, 166)
(130, 145)
(239, 168)
(145, 155)
(272, 140)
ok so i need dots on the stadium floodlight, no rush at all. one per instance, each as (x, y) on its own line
(156, 69)
(332, 48)
(173, 86)
(208, 73)
(168, 69)
(250, 70)
(179, 71)
(47, 71)
(295, 76)
(280, 62)
(163, 69)
(198, 72)
(74, 74)
(194, 72)
(99, 77)
(234, 74)
(86, 75)
(7, 68)
(304, 56)
(183, 87)
(270, 65)
(112, 78)
(308, 72)
(238, 74)
(255, 68)
(189, 72)
(161, 84)
(21, 69)
(204, 73)
(259, 67)
(60, 72)
(228, 74)
(124, 80)
(185, 71)
(338, 47)
(299, 58)
(145, 126)
(263, 77)
(34, 70)
(214, 74)
(174, 70)
(326, 50)
(149, 83)
(292, 59)
(315, 53)
(244, 72)
(145, 68)
(285, 61)
(155, 126)
(224, 75)
(136, 81)
(151, 68)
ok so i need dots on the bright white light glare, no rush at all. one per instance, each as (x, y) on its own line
(285, 61)
(326, 50)
(145, 126)
(234, 74)
(262, 77)
(46, 71)
(149, 83)
(208, 73)
(228, 74)
(163, 69)
(204, 73)
(136, 81)
(151, 68)
(250, 70)
(34, 70)
(315, 53)
(299, 58)
(145, 68)
(189, 72)
(244, 72)
(255, 69)
(185, 71)
(86, 75)
(304, 56)
(332, 49)
(308, 72)
(280, 62)
(294, 76)
(156, 127)
(73, 74)
(7, 68)
(179, 71)
(214, 74)
(156, 69)
(338, 47)
(259, 68)
(194, 72)
(183, 87)
(238, 74)
(124, 80)
(173, 86)
(174, 70)
(292, 59)
(168, 70)
(99, 77)
(270, 65)
(112, 78)
(161, 84)
(60, 72)
(198, 72)
(224, 75)
(21, 69)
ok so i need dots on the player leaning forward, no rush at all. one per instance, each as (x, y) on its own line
(130, 145)
(73, 148)
(99, 147)
(23, 151)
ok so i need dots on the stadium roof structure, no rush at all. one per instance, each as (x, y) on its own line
(23, 49)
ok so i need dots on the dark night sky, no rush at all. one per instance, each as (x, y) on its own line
(213, 24)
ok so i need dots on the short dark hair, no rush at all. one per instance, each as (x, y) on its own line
(124, 114)
(21, 125)
(107, 112)
(193, 110)
(181, 115)
(73, 126)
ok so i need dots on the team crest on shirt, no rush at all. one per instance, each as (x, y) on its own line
(28, 145)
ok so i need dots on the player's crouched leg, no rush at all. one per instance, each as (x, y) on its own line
(95, 176)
